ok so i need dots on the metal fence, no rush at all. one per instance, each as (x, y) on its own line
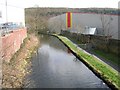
(8, 30)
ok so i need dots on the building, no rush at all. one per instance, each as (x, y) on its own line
(11, 13)
(0, 14)
(77, 22)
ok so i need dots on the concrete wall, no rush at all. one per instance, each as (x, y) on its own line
(57, 23)
(11, 43)
(80, 20)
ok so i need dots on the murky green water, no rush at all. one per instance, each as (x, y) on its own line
(54, 67)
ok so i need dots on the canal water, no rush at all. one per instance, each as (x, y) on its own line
(54, 67)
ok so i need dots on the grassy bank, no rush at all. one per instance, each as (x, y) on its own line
(110, 76)
(15, 71)
(108, 56)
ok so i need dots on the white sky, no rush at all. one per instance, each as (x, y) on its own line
(63, 3)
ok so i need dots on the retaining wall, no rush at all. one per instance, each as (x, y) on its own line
(11, 42)
(99, 42)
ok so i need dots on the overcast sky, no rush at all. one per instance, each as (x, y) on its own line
(63, 3)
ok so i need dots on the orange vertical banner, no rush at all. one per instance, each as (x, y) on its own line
(68, 20)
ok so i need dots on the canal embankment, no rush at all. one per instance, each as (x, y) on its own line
(15, 70)
(107, 49)
(109, 75)
(54, 67)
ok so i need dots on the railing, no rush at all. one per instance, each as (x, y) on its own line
(8, 30)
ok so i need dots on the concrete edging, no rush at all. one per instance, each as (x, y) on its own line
(95, 71)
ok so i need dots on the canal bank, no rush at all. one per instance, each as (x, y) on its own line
(15, 71)
(53, 67)
(110, 76)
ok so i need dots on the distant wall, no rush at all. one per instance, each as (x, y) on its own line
(11, 42)
(80, 20)
(99, 42)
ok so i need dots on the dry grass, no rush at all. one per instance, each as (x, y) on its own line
(15, 71)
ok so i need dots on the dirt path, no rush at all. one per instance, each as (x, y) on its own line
(15, 71)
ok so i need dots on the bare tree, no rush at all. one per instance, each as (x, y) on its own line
(36, 18)
(106, 25)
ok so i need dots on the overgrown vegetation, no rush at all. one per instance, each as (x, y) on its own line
(36, 17)
(107, 73)
(105, 54)
(108, 56)
(15, 71)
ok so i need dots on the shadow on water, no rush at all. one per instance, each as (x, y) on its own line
(54, 67)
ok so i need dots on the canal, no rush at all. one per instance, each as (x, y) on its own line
(54, 67)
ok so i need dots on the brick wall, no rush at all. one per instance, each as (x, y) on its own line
(11, 43)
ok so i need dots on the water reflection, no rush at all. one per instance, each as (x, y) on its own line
(54, 67)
